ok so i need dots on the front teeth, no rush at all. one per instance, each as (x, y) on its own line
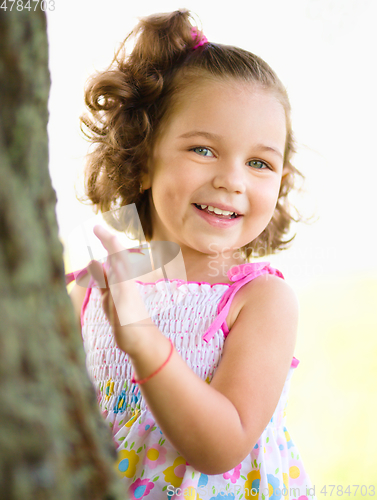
(217, 211)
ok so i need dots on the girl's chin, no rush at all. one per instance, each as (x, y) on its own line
(215, 248)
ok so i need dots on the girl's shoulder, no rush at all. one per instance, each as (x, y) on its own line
(267, 290)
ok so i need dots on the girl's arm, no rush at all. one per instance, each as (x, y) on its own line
(77, 296)
(213, 426)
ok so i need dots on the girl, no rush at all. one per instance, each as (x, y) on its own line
(194, 386)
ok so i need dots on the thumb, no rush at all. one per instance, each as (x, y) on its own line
(98, 273)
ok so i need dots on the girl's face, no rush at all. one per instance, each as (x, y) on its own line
(222, 147)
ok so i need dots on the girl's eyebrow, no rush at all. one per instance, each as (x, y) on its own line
(209, 135)
(270, 149)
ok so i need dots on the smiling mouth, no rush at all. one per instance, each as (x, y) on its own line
(219, 215)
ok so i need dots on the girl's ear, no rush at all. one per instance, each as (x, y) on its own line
(146, 181)
(285, 172)
(146, 178)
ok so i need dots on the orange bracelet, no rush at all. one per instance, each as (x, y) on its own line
(134, 381)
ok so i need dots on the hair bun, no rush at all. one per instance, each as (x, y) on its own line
(161, 39)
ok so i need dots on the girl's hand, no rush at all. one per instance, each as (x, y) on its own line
(121, 300)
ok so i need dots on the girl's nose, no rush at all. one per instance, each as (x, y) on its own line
(230, 175)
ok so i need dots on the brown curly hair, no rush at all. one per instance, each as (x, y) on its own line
(129, 101)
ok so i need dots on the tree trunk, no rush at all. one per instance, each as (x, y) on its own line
(54, 443)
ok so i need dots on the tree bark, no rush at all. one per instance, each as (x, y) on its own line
(54, 443)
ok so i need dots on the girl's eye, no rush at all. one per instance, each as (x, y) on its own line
(202, 151)
(259, 165)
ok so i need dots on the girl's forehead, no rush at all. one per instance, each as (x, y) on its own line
(225, 104)
(221, 94)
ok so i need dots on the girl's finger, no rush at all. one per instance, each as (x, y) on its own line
(116, 255)
(98, 273)
(108, 240)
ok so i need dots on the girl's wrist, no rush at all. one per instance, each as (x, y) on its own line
(139, 338)
(153, 352)
(146, 379)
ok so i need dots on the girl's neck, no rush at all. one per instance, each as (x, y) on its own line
(194, 266)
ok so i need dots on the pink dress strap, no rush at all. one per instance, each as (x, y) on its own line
(69, 277)
(241, 275)
(75, 275)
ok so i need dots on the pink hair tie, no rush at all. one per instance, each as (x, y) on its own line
(203, 38)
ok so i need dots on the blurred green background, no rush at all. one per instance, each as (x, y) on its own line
(332, 409)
